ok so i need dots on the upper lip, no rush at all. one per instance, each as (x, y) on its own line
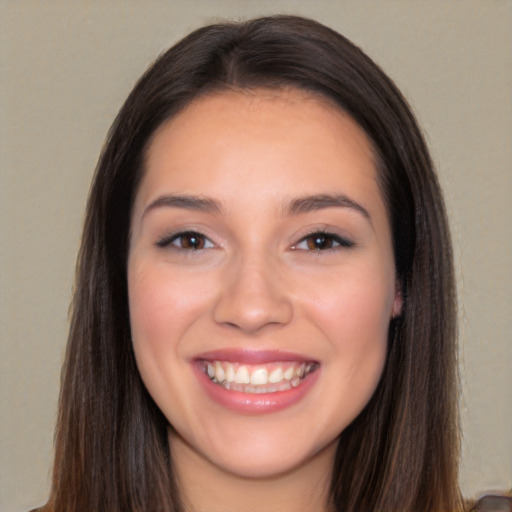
(251, 356)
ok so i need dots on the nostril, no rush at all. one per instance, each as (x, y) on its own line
(252, 313)
(252, 295)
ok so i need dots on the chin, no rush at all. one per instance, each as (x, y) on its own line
(256, 456)
(263, 466)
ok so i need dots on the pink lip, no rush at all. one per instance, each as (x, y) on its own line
(245, 356)
(253, 403)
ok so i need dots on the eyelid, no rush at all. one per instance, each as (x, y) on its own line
(167, 240)
(338, 240)
(341, 241)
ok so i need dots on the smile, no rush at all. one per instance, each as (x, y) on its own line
(258, 378)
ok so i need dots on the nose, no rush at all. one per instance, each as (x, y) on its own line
(253, 296)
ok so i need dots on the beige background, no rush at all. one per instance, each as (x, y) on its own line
(67, 66)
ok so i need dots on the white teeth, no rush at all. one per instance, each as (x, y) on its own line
(230, 373)
(276, 376)
(295, 382)
(269, 378)
(242, 375)
(288, 373)
(259, 377)
(219, 371)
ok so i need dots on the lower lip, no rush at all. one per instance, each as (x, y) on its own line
(256, 403)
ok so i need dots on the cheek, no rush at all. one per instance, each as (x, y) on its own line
(354, 315)
(161, 301)
(163, 306)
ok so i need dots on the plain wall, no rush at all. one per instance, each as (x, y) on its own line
(66, 68)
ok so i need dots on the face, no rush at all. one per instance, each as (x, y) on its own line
(261, 279)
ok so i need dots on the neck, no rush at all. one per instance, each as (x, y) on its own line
(205, 487)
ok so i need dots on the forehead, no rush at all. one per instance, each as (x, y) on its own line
(285, 137)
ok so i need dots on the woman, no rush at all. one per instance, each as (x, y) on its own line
(264, 315)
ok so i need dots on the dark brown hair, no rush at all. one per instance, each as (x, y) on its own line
(401, 452)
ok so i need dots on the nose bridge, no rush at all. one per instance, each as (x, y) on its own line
(253, 293)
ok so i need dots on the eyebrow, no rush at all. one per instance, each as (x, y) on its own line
(317, 202)
(295, 206)
(195, 203)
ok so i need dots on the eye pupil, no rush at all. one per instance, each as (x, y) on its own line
(192, 241)
(319, 242)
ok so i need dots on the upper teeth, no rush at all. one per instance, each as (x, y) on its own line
(256, 375)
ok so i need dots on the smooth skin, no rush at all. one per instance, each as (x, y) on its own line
(259, 225)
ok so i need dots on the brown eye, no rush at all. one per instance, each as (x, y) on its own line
(186, 241)
(319, 242)
(193, 241)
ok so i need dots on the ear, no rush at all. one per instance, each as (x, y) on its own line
(398, 301)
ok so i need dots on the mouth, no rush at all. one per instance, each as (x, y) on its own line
(257, 382)
(272, 377)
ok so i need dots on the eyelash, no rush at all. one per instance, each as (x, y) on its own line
(330, 241)
(169, 241)
(324, 237)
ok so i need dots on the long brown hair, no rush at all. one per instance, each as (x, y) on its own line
(401, 452)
